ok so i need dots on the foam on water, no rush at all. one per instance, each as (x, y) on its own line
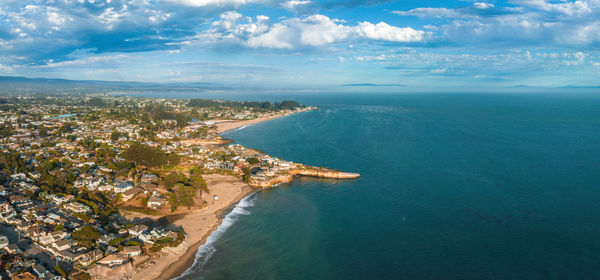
(207, 249)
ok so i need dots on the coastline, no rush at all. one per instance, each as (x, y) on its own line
(227, 125)
(173, 264)
(176, 263)
(186, 260)
(198, 225)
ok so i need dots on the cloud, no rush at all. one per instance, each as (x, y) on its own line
(204, 3)
(294, 33)
(525, 23)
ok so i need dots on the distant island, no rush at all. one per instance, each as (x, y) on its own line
(113, 187)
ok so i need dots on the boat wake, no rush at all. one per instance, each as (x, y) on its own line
(207, 249)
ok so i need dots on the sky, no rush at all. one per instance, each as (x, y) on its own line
(305, 43)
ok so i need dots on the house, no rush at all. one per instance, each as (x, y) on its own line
(113, 260)
(137, 230)
(61, 245)
(3, 242)
(146, 237)
(24, 276)
(59, 199)
(132, 251)
(123, 187)
(91, 256)
(13, 249)
(149, 178)
(126, 196)
(18, 177)
(3, 191)
(77, 207)
(39, 270)
(50, 276)
(156, 202)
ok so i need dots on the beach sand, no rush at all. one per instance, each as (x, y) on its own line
(197, 225)
(225, 125)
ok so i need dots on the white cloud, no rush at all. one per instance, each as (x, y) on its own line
(483, 5)
(293, 4)
(429, 12)
(530, 22)
(579, 7)
(311, 31)
(385, 32)
(204, 3)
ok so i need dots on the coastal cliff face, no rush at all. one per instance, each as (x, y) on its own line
(309, 172)
(325, 173)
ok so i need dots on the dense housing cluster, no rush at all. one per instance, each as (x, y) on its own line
(71, 166)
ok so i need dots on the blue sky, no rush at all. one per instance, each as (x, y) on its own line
(305, 43)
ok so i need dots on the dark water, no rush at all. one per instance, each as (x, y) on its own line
(452, 187)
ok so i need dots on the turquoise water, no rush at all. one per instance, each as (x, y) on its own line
(452, 187)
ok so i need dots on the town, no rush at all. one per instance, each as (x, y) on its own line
(73, 169)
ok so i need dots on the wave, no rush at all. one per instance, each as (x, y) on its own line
(240, 128)
(207, 249)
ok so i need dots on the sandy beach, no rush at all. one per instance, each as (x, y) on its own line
(225, 125)
(197, 225)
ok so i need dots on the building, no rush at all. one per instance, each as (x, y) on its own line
(132, 251)
(112, 260)
(137, 230)
(123, 187)
(156, 202)
(24, 276)
(77, 207)
(3, 242)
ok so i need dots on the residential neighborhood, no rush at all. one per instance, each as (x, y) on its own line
(73, 169)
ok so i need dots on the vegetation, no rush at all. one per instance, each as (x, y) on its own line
(252, 160)
(86, 236)
(256, 106)
(147, 156)
(132, 243)
(60, 271)
(116, 242)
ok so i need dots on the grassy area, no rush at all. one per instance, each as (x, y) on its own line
(146, 211)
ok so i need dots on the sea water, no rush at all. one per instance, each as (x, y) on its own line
(473, 186)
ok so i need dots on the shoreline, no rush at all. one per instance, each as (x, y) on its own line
(228, 125)
(198, 225)
(174, 265)
(185, 261)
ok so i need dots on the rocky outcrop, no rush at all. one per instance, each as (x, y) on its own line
(324, 173)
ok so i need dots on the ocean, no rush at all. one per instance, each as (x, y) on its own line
(453, 186)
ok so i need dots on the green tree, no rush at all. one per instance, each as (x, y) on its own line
(86, 236)
(115, 135)
(252, 160)
(144, 155)
(60, 271)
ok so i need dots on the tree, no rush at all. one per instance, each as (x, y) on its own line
(115, 135)
(171, 179)
(43, 131)
(60, 271)
(116, 241)
(86, 236)
(252, 160)
(144, 155)
(132, 243)
(246, 176)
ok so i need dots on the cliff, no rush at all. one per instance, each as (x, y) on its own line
(324, 173)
